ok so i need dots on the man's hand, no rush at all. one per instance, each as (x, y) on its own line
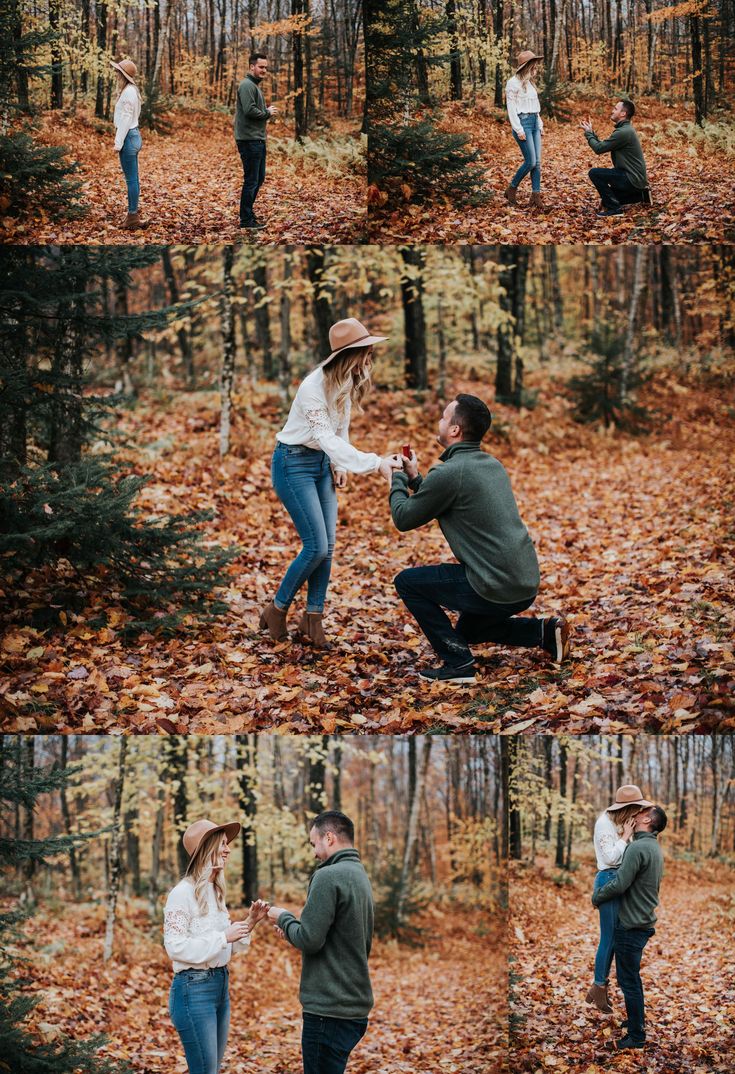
(340, 479)
(586, 125)
(275, 912)
(388, 465)
(279, 932)
(411, 466)
(272, 110)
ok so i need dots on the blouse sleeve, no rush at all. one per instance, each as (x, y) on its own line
(611, 849)
(511, 100)
(342, 454)
(180, 945)
(126, 122)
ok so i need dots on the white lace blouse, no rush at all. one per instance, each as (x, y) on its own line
(520, 98)
(194, 941)
(126, 115)
(609, 847)
(313, 423)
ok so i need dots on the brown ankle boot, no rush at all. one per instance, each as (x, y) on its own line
(511, 195)
(273, 620)
(312, 627)
(597, 996)
(536, 202)
(133, 222)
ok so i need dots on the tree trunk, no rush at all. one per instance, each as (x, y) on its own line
(300, 110)
(412, 292)
(455, 56)
(248, 782)
(561, 821)
(66, 816)
(641, 257)
(181, 332)
(321, 299)
(57, 76)
(115, 842)
(227, 374)
(413, 820)
(515, 843)
(102, 78)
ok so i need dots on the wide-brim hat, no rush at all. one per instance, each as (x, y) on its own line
(200, 828)
(526, 57)
(629, 795)
(347, 334)
(126, 68)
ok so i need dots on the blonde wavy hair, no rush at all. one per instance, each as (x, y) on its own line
(620, 816)
(526, 73)
(348, 377)
(200, 870)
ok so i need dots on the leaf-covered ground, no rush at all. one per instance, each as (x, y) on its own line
(190, 186)
(692, 186)
(635, 542)
(439, 1009)
(686, 972)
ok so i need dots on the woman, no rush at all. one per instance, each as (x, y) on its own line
(524, 112)
(128, 142)
(200, 938)
(312, 458)
(613, 832)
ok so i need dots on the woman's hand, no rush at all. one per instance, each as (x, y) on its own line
(238, 930)
(629, 829)
(258, 911)
(340, 479)
(388, 465)
(521, 137)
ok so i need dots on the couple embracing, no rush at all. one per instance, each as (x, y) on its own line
(334, 934)
(496, 574)
(626, 183)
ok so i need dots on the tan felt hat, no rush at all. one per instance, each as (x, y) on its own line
(347, 334)
(126, 68)
(526, 57)
(197, 831)
(629, 795)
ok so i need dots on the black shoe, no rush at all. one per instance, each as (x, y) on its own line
(252, 225)
(627, 1042)
(611, 212)
(555, 634)
(448, 673)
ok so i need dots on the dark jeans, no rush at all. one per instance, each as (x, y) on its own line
(302, 479)
(614, 187)
(199, 1006)
(326, 1043)
(252, 155)
(129, 163)
(608, 912)
(426, 591)
(629, 944)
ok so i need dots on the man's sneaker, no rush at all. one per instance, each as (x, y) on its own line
(252, 225)
(611, 212)
(449, 673)
(555, 634)
(628, 1042)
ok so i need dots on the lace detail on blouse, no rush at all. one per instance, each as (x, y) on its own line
(320, 422)
(176, 923)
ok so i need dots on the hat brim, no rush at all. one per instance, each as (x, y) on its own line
(624, 805)
(125, 74)
(368, 342)
(534, 59)
(231, 830)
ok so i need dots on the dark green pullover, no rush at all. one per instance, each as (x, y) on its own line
(334, 936)
(251, 114)
(470, 496)
(637, 882)
(626, 151)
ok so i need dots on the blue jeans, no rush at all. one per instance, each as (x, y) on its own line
(614, 187)
(326, 1043)
(303, 482)
(629, 944)
(199, 1005)
(608, 920)
(129, 163)
(531, 149)
(252, 155)
(426, 591)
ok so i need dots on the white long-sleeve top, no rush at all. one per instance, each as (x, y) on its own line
(126, 115)
(314, 423)
(193, 940)
(520, 98)
(609, 847)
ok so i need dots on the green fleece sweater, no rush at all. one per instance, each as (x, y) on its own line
(334, 936)
(626, 151)
(636, 882)
(469, 494)
(251, 114)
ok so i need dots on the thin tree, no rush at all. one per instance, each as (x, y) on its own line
(115, 856)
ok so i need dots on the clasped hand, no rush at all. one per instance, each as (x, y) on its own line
(399, 462)
(238, 930)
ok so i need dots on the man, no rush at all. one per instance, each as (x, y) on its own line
(251, 116)
(637, 882)
(626, 182)
(497, 575)
(334, 936)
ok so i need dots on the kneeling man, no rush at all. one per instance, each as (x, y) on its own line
(497, 575)
(626, 182)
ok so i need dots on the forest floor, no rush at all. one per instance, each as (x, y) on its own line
(439, 1009)
(691, 186)
(686, 972)
(635, 543)
(190, 185)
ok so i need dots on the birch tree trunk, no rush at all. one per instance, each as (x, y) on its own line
(115, 843)
(413, 821)
(641, 260)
